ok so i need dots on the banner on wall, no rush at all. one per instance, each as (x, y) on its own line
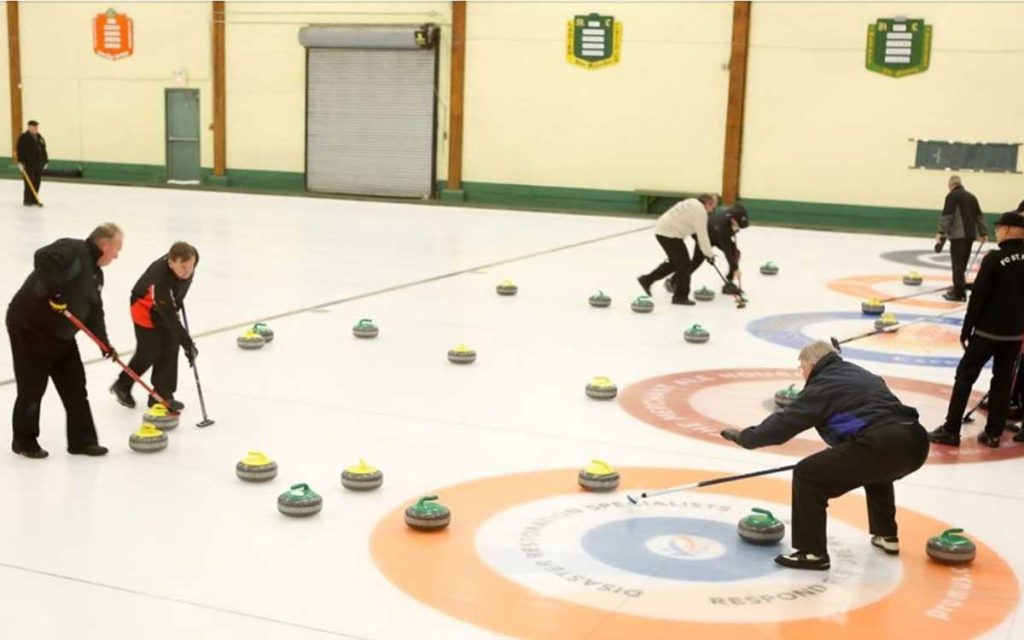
(112, 35)
(593, 41)
(899, 47)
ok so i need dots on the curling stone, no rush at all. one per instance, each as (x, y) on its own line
(885, 321)
(642, 304)
(600, 300)
(265, 331)
(461, 355)
(427, 515)
(251, 340)
(769, 269)
(949, 547)
(704, 294)
(601, 388)
(365, 329)
(159, 417)
(598, 476)
(362, 477)
(697, 333)
(913, 279)
(761, 527)
(256, 467)
(785, 396)
(507, 288)
(148, 439)
(872, 307)
(299, 501)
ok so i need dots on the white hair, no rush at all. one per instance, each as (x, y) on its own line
(812, 353)
(955, 181)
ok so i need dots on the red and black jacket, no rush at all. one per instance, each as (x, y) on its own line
(156, 299)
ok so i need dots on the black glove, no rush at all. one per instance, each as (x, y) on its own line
(732, 435)
(191, 352)
(965, 339)
(57, 303)
(939, 245)
(110, 353)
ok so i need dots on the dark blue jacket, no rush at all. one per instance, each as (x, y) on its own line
(840, 400)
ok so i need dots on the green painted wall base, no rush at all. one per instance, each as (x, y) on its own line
(807, 215)
(452, 195)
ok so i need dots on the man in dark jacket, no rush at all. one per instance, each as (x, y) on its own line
(68, 276)
(874, 439)
(961, 216)
(155, 302)
(993, 329)
(722, 229)
(33, 158)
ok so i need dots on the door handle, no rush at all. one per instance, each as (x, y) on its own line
(173, 139)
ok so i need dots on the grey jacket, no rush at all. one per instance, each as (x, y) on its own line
(961, 216)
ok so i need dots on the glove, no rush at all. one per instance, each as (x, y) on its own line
(732, 435)
(940, 242)
(57, 303)
(711, 260)
(965, 340)
(191, 352)
(110, 353)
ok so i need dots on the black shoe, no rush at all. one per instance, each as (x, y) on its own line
(124, 396)
(888, 544)
(941, 436)
(89, 450)
(176, 407)
(36, 452)
(804, 560)
(989, 441)
(730, 289)
(954, 297)
(684, 301)
(645, 284)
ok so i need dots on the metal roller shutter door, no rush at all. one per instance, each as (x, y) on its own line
(370, 121)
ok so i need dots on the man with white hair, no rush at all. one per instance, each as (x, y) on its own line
(873, 440)
(961, 216)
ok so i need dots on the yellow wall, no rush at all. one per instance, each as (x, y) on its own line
(654, 121)
(821, 128)
(266, 74)
(5, 94)
(92, 108)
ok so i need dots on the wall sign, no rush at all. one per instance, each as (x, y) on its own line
(593, 41)
(899, 47)
(112, 35)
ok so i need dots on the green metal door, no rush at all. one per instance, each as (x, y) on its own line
(182, 107)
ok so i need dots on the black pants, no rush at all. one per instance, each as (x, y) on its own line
(979, 351)
(873, 460)
(155, 348)
(678, 266)
(37, 359)
(960, 254)
(35, 174)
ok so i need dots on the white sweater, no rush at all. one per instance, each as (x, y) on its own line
(685, 219)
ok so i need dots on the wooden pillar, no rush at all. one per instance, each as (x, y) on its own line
(220, 138)
(737, 96)
(455, 101)
(14, 68)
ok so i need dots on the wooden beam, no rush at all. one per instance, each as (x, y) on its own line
(220, 138)
(455, 102)
(14, 70)
(737, 98)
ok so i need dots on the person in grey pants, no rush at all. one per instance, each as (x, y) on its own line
(961, 218)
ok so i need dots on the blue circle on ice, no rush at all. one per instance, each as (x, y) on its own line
(685, 549)
(787, 330)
